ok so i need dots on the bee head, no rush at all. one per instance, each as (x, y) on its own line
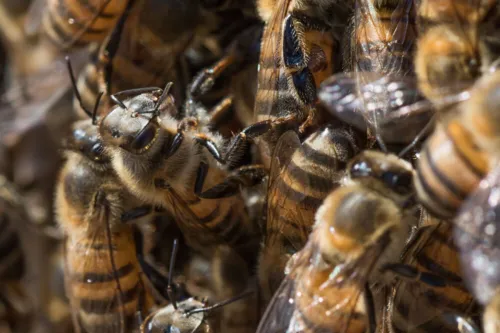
(133, 124)
(385, 173)
(169, 319)
(85, 140)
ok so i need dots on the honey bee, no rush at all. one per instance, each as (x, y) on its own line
(180, 166)
(301, 176)
(456, 46)
(382, 37)
(72, 24)
(359, 228)
(15, 303)
(228, 274)
(298, 52)
(103, 276)
(417, 307)
(476, 221)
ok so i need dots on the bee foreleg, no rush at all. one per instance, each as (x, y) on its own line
(139, 212)
(412, 273)
(220, 112)
(205, 80)
(245, 176)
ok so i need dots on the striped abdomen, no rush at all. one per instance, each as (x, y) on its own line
(418, 308)
(449, 169)
(296, 192)
(74, 23)
(96, 298)
(12, 260)
(384, 38)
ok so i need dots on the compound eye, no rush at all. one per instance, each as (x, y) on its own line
(360, 169)
(399, 182)
(96, 151)
(144, 138)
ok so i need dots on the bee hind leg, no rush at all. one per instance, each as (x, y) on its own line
(246, 176)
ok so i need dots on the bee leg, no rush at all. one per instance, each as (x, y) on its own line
(244, 50)
(136, 213)
(246, 176)
(460, 323)
(157, 279)
(411, 273)
(370, 309)
(220, 113)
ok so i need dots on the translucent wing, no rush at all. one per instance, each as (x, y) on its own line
(384, 38)
(477, 235)
(34, 16)
(26, 104)
(375, 101)
(268, 85)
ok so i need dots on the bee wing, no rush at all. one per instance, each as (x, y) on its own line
(270, 64)
(283, 211)
(377, 102)
(368, 22)
(477, 236)
(34, 16)
(25, 104)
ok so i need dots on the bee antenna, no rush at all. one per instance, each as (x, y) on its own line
(96, 106)
(75, 89)
(418, 137)
(119, 102)
(163, 95)
(221, 304)
(170, 290)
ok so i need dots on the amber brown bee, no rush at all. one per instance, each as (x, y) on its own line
(359, 228)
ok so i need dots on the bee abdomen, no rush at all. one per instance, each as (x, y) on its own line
(12, 261)
(449, 169)
(73, 23)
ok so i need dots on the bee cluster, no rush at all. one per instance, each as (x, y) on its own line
(249, 166)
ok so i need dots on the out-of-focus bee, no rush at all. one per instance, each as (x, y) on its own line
(103, 276)
(476, 231)
(418, 307)
(183, 167)
(382, 37)
(298, 52)
(302, 175)
(457, 44)
(359, 228)
(71, 24)
(16, 310)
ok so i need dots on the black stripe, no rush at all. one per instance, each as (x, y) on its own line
(91, 278)
(211, 216)
(442, 178)
(227, 228)
(61, 34)
(104, 306)
(431, 265)
(316, 182)
(319, 158)
(94, 9)
(464, 158)
(65, 13)
(447, 209)
(299, 197)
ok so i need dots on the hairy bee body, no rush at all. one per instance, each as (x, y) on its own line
(139, 145)
(103, 278)
(419, 308)
(384, 35)
(450, 147)
(70, 23)
(454, 47)
(298, 184)
(359, 228)
(298, 53)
